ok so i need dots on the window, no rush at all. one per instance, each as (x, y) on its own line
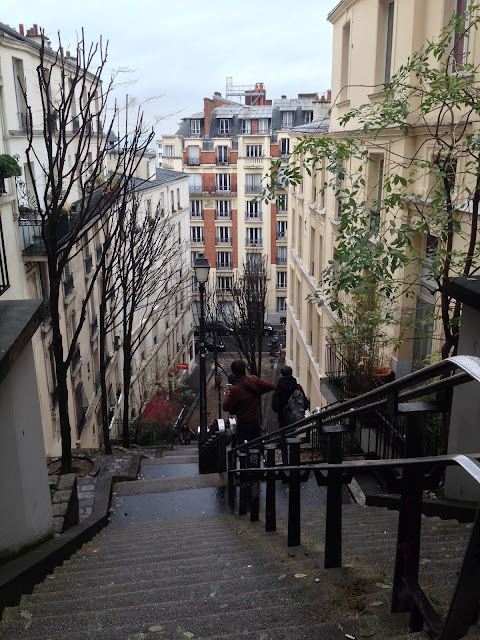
(172, 201)
(375, 192)
(178, 200)
(81, 406)
(195, 127)
(287, 119)
(253, 183)
(222, 155)
(193, 156)
(194, 255)
(281, 279)
(196, 235)
(281, 255)
(224, 235)
(307, 116)
(345, 64)
(460, 47)
(246, 126)
(254, 237)
(253, 209)
(253, 261)
(224, 260)
(168, 151)
(222, 182)
(281, 303)
(282, 203)
(195, 183)
(224, 283)
(263, 126)
(389, 41)
(196, 209)
(224, 125)
(281, 229)
(253, 150)
(223, 210)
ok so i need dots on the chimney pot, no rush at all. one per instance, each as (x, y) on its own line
(21, 29)
(283, 97)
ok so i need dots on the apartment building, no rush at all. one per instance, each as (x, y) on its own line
(227, 150)
(23, 269)
(371, 39)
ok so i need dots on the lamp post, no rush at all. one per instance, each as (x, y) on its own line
(202, 269)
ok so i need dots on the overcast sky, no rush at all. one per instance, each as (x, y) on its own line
(181, 51)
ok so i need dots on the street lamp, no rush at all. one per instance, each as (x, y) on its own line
(202, 269)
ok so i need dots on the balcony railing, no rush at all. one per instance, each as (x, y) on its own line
(68, 285)
(253, 188)
(94, 328)
(253, 217)
(281, 285)
(223, 241)
(254, 162)
(281, 236)
(4, 280)
(222, 163)
(256, 244)
(194, 188)
(224, 267)
(197, 241)
(196, 215)
(281, 260)
(223, 190)
(223, 215)
(74, 365)
(193, 162)
(88, 263)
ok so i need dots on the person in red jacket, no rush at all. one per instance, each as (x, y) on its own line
(242, 400)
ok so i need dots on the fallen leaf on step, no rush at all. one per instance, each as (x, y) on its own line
(347, 635)
(239, 532)
(367, 633)
(382, 585)
(377, 603)
(300, 575)
(157, 627)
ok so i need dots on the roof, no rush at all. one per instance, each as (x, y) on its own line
(163, 176)
(292, 104)
(317, 126)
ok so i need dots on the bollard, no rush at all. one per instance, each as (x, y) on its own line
(293, 445)
(253, 462)
(270, 498)
(333, 527)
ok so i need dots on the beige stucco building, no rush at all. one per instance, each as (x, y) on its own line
(371, 39)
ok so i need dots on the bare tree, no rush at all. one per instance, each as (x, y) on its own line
(71, 156)
(249, 292)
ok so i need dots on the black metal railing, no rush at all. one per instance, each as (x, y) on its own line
(193, 162)
(194, 189)
(4, 280)
(405, 398)
(75, 363)
(68, 284)
(88, 263)
(212, 449)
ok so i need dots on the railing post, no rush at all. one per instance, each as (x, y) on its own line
(243, 493)
(253, 462)
(333, 526)
(409, 519)
(232, 464)
(294, 492)
(270, 497)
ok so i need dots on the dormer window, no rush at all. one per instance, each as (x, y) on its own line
(247, 126)
(195, 127)
(224, 125)
(307, 116)
(287, 119)
(263, 125)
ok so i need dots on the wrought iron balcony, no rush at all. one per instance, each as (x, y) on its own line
(222, 215)
(196, 215)
(255, 244)
(68, 285)
(223, 190)
(253, 188)
(222, 163)
(224, 267)
(197, 241)
(193, 162)
(281, 260)
(75, 364)
(223, 241)
(88, 263)
(253, 217)
(281, 236)
(194, 189)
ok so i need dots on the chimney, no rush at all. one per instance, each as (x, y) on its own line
(329, 95)
(21, 29)
(283, 97)
(217, 94)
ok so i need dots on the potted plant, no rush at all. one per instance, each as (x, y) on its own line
(362, 340)
(9, 166)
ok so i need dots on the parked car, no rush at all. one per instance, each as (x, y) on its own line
(268, 330)
(219, 328)
(209, 346)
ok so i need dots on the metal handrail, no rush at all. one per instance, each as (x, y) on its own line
(418, 470)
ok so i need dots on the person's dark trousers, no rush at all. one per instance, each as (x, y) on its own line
(248, 431)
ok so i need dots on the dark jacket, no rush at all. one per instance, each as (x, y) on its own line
(285, 387)
(243, 403)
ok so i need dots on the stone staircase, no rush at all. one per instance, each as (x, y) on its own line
(215, 575)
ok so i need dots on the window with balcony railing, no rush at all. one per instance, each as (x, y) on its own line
(253, 183)
(287, 119)
(253, 150)
(284, 146)
(253, 237)
(196, 209)
(193, 156)
(224, 284)
(246, 126)
(224, 260)
(68, 284)
(264, 126)
(223, 210)
(281, 303)
(282, 203)
(222, 182)
(222, 155)
(195, 183)
(88, 263)
(224, 235)
(281, 255)
(281, 280)
(196, 235)
(253, 210)
(282, 230)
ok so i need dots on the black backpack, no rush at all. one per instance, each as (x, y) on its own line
(295, 407)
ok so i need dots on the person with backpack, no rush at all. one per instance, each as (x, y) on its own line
(243, 401)
(289, 400)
